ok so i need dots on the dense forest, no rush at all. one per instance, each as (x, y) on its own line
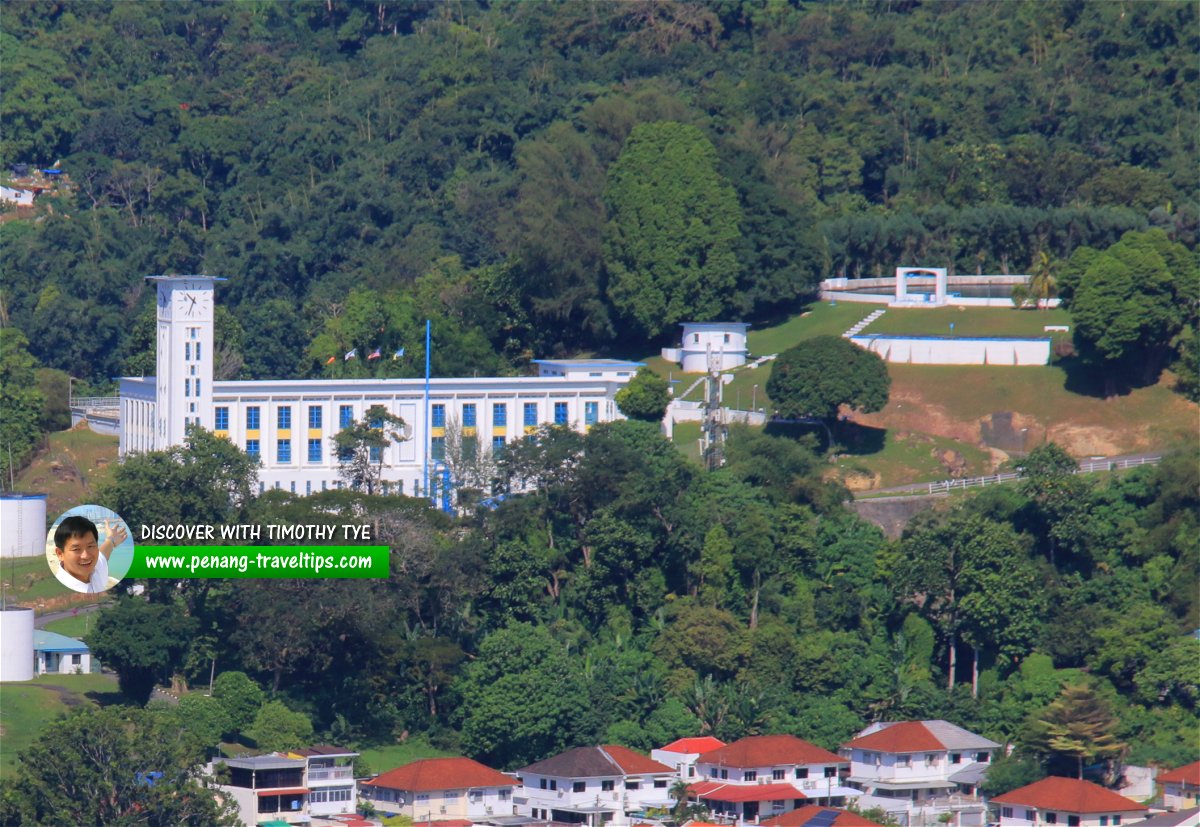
(542, 179)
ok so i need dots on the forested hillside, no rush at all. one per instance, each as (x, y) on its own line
(540, 178)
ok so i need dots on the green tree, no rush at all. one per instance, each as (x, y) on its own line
(278, 728)
(240, 697)
(360, 446)
(144, 642)
(645, 397)
(1079, 724)
(20, 401)
(116, 765)
(205, 717)
(669, 242)
(815, 378)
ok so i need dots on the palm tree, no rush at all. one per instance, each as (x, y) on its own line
(1042, 284)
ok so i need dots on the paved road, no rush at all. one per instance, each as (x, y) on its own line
(49, 617)
(922, 488)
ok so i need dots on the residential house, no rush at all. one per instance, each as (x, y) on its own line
(1181, 787)
(1177, 818)
(766, 775)
(815, 816)
(1068, 802)
(16, 195)
(920, 771)
(329, 776)
(60, 655)
(266, 788)
(594, 786)
(441, 790)
(682, 754)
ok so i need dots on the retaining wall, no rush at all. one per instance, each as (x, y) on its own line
(917, 350)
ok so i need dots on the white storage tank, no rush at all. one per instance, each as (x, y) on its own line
(22, 525)
(726, 340)
(16, 643)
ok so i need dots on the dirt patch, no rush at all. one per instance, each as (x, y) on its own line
(857, 479)
(1094, 440)
(954, 462)
(909, 412)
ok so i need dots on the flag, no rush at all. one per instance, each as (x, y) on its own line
(397, 354)
(352, 354)
(330, 360)
(375, 354)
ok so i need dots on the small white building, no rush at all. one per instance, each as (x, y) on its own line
(442, 791)
(15, 195)
(1181, 787)
(724, 340)
(682, 754)
(267, 788)
(56, 654)
(1065, 802)
(329, 777)
(593, 786)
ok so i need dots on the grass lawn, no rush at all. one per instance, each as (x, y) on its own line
(686, 436)
(384, 758)
(75, 627)
(76, 462)
(970, 322)
(28, 580)
(27, 707)
(912, 457)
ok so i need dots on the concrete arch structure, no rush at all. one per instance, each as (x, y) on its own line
(940, 280)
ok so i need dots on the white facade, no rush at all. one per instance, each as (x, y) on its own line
(1016, 815)
(16, 643)
(14, 195)
(918, 350)
(609, 798)
(266, 788)
(329, 777)
(726, 341)
(23, 520)
(476, 804)
(289, 424)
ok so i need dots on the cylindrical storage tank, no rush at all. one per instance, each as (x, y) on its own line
(16, 644)
(22, 525)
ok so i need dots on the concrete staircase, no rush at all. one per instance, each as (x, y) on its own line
(858, 328)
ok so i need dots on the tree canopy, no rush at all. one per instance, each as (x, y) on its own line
(818, 376)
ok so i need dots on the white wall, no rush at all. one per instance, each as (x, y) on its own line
(918, 351)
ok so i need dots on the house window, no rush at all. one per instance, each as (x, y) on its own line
(197, 351)
(777, 775)
(696, 338)
(283, 417)
(497, 446)
(197, 381)
(607, 785)
(777, 805)
(560, 413)
(543, 784)
(1072, 821)
(193, 332)
(903, 761)
(1052, 818)
(375, 453)
(751, 775)
(469, 415)
(502, 795)
(579, 786)
(187, 387)
(1116, 820)
(530, 414)
(633, 785)
(554, 783)
(691, 772)
(1006, 812)
(724, 775)
(1030, 816)
(345, 416)
(437, 450)
(252, 418)
(222, 418)
(76, 660)
(930, 759)
(956, 758)
(187, 351)
(831, 772)
(314, 452)
(252, 448)
(591, 412)
(283, 452)
(982, 757)
(314, 416)
(499, 414)
(660, 783)
(726, 338)
(802, 772)
(712, 773)
(438, 415)
(307, 487)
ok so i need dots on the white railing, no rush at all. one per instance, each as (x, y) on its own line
(945, 486)
(337, 773)
(93, 402)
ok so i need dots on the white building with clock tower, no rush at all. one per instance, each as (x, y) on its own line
(288, 424)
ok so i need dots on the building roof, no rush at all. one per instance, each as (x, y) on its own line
(819, 817)
(441, 774)
(735, 793)
(698, 745)
(769, 750)
(588, 363)
(1068, 795)
(1188, 774)
(264, 762)
(44, 641)
(919, 736)
(1180, 818)
(596, 762)
(322, 750)
(715, 325)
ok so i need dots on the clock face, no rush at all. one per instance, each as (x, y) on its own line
(193, 305)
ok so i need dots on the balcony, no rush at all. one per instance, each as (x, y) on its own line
(333, 774)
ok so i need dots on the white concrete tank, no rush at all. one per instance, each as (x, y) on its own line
(16, 643)
(22, 525)
(726, 340)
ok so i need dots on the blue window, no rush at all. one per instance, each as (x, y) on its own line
(376, 453)
(197, 351)
(187, 351)
(307, 487)
(499, 414)
(469, 415)
(197, 387)
(497, 446)
(345, 416)
(187, 387)
(560, 413)
(314, 450)
(221, 419)
(437, 448)
(252, 448)
(252, 418)
(314, 416)
(530, 414)
(591, 412)
(283, 450)
(439, 416)
(284, 418)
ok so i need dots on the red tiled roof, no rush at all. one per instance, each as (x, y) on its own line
(769, 750)
(441, 774)
(906, 736)
(801, 817)
(633, 763)
(697, 745)
(735, 793)
(1068, 795)
(1189, 774)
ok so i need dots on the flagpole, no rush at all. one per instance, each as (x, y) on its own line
(428, 429)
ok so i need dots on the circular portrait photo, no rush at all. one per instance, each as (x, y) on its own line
(89, 549)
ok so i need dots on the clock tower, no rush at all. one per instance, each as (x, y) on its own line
(184, 370)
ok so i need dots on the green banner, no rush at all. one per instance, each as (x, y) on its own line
(260, 562)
